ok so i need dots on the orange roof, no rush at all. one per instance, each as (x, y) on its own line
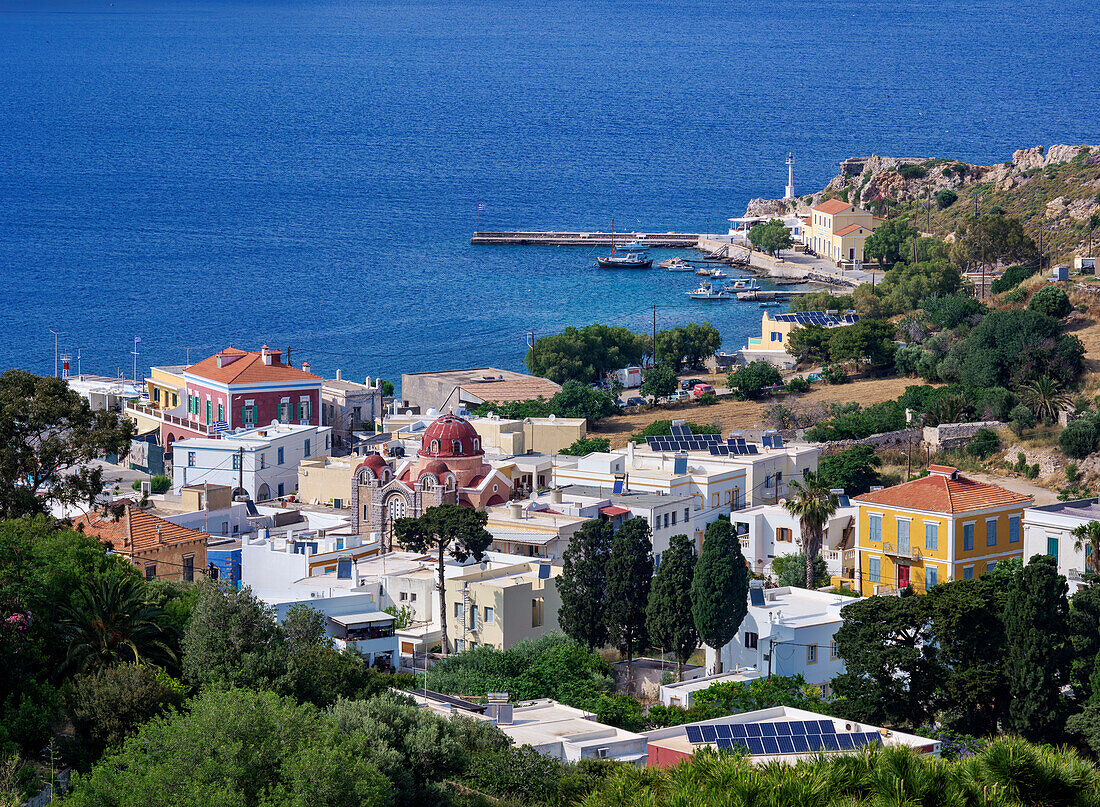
(248, 367)
(831, 207)
(851, 228)
(136, 531)
(944, 491)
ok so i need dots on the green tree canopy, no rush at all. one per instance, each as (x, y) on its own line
(868, 339)
(449, 529)
(790, 570)
(50, 435)
(629, 574)
(668, 612)
(751, 380)
(587, 445)
(853, 469)
(770, 237)
(1009, 348)
(1052, 301)
(659, 381)
(889, 241)
(582, 584)
(586, 354)
(688, 344)
(720, 587)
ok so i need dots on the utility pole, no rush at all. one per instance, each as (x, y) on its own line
(654, 334)
(135, 352)
(240, 467)
(56, 336)
(1041, 249)
(288, 364)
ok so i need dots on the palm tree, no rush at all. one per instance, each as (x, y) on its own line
(110, 622)
(1087, 536)
(1046, 398)
(814, 504)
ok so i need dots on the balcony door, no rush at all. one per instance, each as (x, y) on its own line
(903, 577)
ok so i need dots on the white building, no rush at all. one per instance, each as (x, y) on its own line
(682, 693)
(103, 392)
(263, 462)
(788, 631)
(780, 734)
(1048, 530)
(347, 406)
(768, 531)
(355, 622)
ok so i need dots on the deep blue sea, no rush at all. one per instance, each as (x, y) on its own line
(203, 173)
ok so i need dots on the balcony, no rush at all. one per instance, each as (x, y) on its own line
(888, 591)
(905, 551)
(164, 416)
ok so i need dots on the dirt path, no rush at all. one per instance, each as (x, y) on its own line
(1041, 495)
(731, 415)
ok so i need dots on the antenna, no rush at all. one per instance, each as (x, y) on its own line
(56, 336)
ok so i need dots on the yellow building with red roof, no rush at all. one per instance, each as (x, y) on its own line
(940, 527)
(161, 549)
(838, 230)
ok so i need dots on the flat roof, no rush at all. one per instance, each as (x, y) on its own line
(365, 618)
(631, 497)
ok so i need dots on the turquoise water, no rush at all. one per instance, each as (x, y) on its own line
(308, 173)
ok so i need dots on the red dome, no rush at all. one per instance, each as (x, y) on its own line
(376, 463)
(450, 436)
(436, 468)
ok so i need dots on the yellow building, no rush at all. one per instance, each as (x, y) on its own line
(775, 331)
(326, 480)
(934, 529)
(164, 386)
(837, 230)
(502, 606)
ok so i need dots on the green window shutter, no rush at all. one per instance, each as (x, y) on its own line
(244, 414)
(256, 415)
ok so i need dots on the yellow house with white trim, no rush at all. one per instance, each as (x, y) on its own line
(838, 230)
(937, 528)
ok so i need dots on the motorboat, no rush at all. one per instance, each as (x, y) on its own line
(743, 284)
(625, 260)
(771, 304)
(636, 246)
(718, 274)
(677, 265)
(707, 292)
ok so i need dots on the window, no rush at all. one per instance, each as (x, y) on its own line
(281, 456)
(460, 645)
(874, 570)
(714, 500)
(687, 515)
(249, 413)
(489, 615)
(236, 461)
(875, 533)
(666, 521)
(175, 400)
(931, 537)
(404, 596)
(991, 532)
(1013, 529)
(156, 394)
(396, 508)
(284, 410)
(811, 654)
(674, 514)
(307, 448)
(929, 577)
(189, 567)
(282, 490)
(968, 537)
(151, 572)
(991, 566)
(536, 612)
(412, 597)
(356, 414)
(751, 640)
(833, 652)
(968, 572)
(1052, 546)
(221, 412)
(209, 411)
(903, 536)
(190, 459)
(263, 461)
(473, 618)
(327, 446)
(783, 534)
(458, 610)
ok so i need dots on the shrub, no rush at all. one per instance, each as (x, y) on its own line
(708, 399)
(1078, 439)
(1052, 301)
(912, 171)
(751, 380)
(1033, 471)
(159, 483)
(798, 385)
(946, 198)
(587, 445)
(1012, 277)
(790, 570)
(1022, 418)
(983, 443)
(834, 374)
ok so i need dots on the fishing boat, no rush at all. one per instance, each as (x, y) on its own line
(743, 284)
(770, 304)
(636, 246)
(677, 265)
(718, 274)
(631, 259)
(707, 292)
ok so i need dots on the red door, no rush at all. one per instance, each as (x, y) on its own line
(903, 577)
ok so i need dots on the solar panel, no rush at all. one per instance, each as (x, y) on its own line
(777, 441)
(708, 733)
(723, 732)
(827, 726)
(725, 745)
(738, 731)
(829, 743)
(694, 735)
(872, 737)
(752, 450)
(797, 728)
(770, 745)
(755, 745)
(813, 743)
(741, 745)
(756, 597)
(767, 730)
(782, 729)
(799, 743)
(752, 730)
(618, 487)
(679, 429)
(785, 745)
(844, 741)
(812, 727)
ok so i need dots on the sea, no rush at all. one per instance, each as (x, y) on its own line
(307, 174)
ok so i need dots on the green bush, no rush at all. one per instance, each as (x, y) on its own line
(1012, 277)
(587, 445)
(912, 171)
(946, 198)
(159, 483)
(983, 443)
(750, 381)
(708, 399)
(797, 385)
(1078, 439)
(1022, 418)
(790, 570)
(834, 374)
(1052, 301)
(1033, 471)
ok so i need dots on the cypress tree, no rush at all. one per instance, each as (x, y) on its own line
(629, 574)
(582, 584)
(668, 614)
(719, 588)
(1036, 651)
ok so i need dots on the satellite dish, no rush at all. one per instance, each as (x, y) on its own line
(275, 422)
(432, 413)
(552, 417)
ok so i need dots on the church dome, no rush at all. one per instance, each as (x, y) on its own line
(450, 436)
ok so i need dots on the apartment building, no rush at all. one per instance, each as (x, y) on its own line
(1048, 530)
(503, 605)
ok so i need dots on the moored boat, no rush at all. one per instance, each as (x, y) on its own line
(707, 292)
(627, 260)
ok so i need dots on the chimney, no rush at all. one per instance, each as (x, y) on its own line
(160, 538)
(264, 355)
(516, 510)
(339, 374)
(305, 367)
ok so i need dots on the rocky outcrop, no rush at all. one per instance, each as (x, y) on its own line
(767, 207)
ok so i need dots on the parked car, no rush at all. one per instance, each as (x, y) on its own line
(635, 400)
(679, 395)
(690, 383)
(699, 390)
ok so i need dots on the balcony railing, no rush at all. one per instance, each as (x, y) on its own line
(744, 543)
(159, 414)
(888, 591)
(910, 551)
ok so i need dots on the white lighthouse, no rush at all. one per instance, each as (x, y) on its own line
(789, 194)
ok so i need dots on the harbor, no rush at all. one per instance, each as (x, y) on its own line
(592, 239)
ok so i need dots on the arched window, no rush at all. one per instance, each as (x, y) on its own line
(434, 447)
(477, 444)
(427, 482)
(450, 482)
(396, 507)
(456, 447)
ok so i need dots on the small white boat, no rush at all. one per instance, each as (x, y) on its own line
(678, 265)
(707, 292)
(717, 273)
(743, 284)
(636, 246)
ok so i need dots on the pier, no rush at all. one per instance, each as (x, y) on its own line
(772, 294)
(581, 239)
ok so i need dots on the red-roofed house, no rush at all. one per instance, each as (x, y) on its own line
(837, 230)
(160, 549)
(937, 528)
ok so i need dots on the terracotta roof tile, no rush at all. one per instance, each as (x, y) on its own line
(939, 493)
(513, 389)
(136, 531)
(851, 228)
(831, 207)
(612, 510)
(248, 367)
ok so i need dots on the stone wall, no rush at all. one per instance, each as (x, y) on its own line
(948, 436)
(898, 439)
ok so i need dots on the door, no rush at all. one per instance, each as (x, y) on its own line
(903, 577)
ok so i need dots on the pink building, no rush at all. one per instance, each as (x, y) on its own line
(243, 389)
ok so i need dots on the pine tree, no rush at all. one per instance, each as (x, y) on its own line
(719, 588)
(629, 574)
(582, 584)
(668, 613)
(1036, 651)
